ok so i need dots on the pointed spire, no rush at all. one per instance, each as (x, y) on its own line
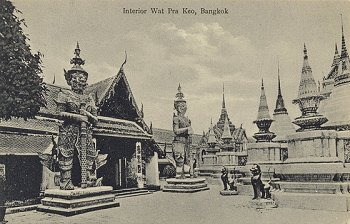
(263, 112)
(223, 96)
(211, 137)
(54, 79)
(279, 102)
(264, 120)
(96, 99)
(125, 60)
(336, 56)
(307, 85)
(308, 99)
(336, 49)
(77, 62)
(226, 135)
(141, 111)
(77, 59)
(179, 95)
(151, 128)
(344, 52)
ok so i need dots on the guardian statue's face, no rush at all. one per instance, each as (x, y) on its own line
(78, 82)
(181, 107)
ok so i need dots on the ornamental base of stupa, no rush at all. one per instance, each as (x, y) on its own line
(316, 173)
(77, 201)
(310, 123)
(185, 185)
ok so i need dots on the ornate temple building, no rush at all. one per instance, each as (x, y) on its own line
(120, 127)
(223, 144)
(223, 136)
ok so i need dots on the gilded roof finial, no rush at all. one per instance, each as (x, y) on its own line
(125, 60)
(77, 59)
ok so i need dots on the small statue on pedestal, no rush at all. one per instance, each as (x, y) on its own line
(224, 177)
(256, 181)
(183, 136)
(232, 181)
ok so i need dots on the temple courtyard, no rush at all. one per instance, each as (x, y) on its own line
(202, 207)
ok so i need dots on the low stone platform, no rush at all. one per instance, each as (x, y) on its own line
(77, 201)
(328, 202)
(228, 193)
(187, 185)
(262, 203)
(314, 187)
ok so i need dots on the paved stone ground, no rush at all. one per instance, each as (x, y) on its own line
(207, 207)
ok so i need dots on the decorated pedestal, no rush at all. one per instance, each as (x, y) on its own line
(186, 185)
(77, 201)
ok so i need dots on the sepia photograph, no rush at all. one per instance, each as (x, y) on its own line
(174, 111)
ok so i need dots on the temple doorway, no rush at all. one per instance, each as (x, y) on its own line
(116, 172)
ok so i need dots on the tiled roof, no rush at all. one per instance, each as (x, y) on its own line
(100, 88)
(163, 135)
(105, 126)
(31, 125)
(51, 96)
(119, 128)
(23, 144)
(239, 135)
(167, 136)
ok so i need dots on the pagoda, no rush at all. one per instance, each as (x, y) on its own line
(219, 127)
(263, 120)
(308, 99)
(339, 119)
(282, 125)
(211, 136)
(226, 135)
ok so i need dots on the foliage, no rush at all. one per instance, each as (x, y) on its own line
(21, 88)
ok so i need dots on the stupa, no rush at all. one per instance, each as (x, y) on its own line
(316, 171)
(282, 125)
(308, 99)
(339, 118)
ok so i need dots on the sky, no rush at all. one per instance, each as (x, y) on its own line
(202, 51)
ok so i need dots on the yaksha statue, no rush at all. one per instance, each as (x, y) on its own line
(183, 136)
(75, 145)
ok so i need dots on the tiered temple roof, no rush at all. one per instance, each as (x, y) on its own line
(224, 130)
(219, 127)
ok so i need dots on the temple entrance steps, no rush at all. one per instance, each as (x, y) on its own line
(131, 192)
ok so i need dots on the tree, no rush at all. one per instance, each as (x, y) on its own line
(21, 86)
